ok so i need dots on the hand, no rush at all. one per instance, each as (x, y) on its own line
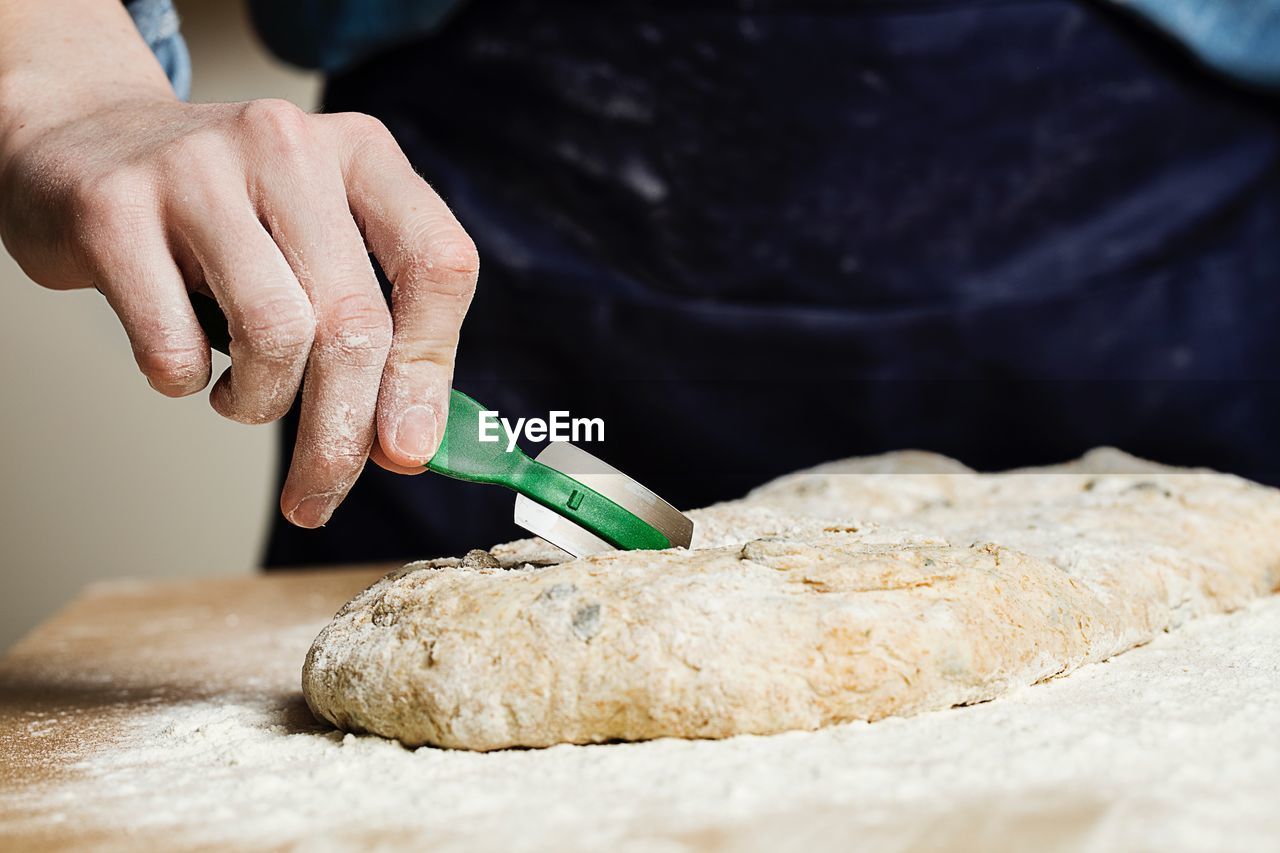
(270, 210)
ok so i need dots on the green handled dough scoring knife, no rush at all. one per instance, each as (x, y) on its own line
(564, 495)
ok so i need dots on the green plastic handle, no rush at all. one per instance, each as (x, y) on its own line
(463, 456)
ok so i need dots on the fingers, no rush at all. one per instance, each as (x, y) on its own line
(352, 336)
(143, 285)
(268, 314)
(271, 209)
(432, 265)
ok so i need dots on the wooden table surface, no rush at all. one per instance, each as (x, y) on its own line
(1168, 747)
(122, 646)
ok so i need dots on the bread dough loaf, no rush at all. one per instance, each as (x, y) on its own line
(853, 591)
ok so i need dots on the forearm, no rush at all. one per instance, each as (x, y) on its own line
(60, 59)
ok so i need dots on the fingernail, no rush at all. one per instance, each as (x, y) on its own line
(416, 433)
(313, 511)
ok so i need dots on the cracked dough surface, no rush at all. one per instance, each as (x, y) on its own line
(856, 590)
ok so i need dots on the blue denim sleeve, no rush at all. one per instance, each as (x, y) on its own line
(157, 21)
(1238, 37)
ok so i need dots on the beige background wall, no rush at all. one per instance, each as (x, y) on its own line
(104, 478)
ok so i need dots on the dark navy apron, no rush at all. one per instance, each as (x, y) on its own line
(754, 236)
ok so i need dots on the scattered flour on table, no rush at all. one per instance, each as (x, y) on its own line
(1172, 746)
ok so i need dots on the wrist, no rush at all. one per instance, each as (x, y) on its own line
(53, 73)
(32, 105)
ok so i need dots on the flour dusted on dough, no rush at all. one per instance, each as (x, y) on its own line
(852, 591)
